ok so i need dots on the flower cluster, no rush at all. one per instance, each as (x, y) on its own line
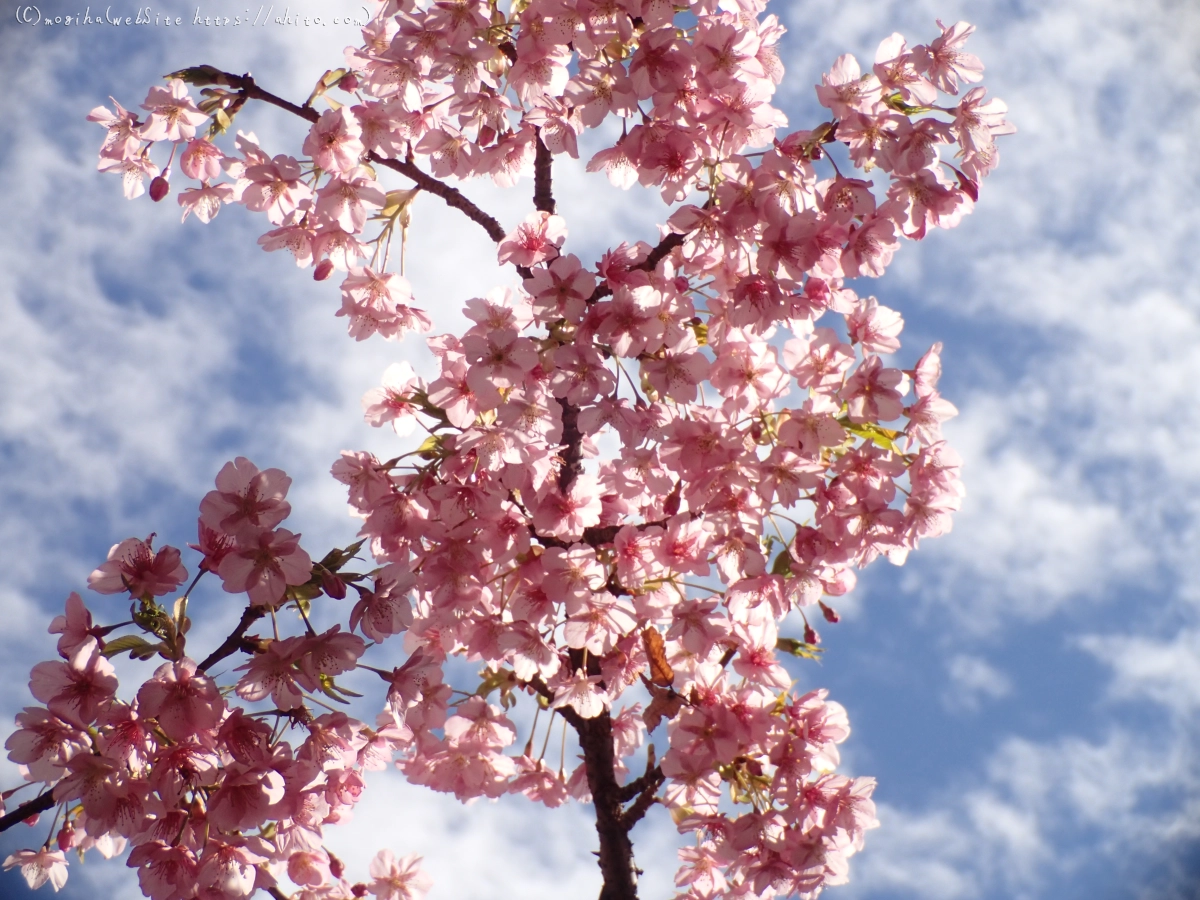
(209, 798)
(636, 472)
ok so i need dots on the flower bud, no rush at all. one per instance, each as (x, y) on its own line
(359, 890)
(810, 635)
(323, 270)
(336, 866)
(831, 614)
(65, 835)
(348, 82)
(333, 586)
(159, 188)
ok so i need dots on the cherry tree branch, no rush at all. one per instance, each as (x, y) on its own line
(38, 804)
(543, 163)
(644, 800)
(572, 443)
(616, 849)
(650, 780)
(236, 639)
(649, 264)
(572, 718)
(453, 197)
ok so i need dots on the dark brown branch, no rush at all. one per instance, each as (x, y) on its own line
(245, 84)
(616, 849)
(651, 779)
(427, 183)
(642, 804)
(659, 253)
(277, 893)
(573, 718)
(452, 196)
(649, 264)
(543, 163)
(598, 535)
(572, 443)
(38, 804)
(236, 640)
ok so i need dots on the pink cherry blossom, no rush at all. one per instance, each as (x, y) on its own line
(398, 879)
(184, 701)
(534, 240)
(944, 61)
(123, 139)
(40, 867)
(173, 115)
(390, 402)
(274, 187)
(246, 500)
(567, 514)
(78, 689)
(75, 626)
(205, 201)
(43, 743)
(583, 694)
(264, 565)
(134, 566)
(334, 143)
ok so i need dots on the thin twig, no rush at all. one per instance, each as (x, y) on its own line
(452, 196)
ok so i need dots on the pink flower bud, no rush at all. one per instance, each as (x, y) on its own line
(159, 188)
(348, 83)
(65, 835)
(831, 614)
(336, 866)
(323, 270)
(333, 587)
(810, 635)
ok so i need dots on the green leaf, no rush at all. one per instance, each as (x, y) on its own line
(782, 564)
(335, 559)
(202, 75)
(431, 447)
(332, 691)
(896, 102)
(799, 648)
(303, 594)
(876, 434)
(137, 646)
(501, 679)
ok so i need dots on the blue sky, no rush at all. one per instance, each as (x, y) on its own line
(1025, 689)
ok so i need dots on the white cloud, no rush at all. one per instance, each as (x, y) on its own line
(973, 680)
(1165, 672)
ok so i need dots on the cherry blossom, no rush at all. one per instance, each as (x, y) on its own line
(44, 866)
(133, 565)
(398, 879)
(264, 565)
